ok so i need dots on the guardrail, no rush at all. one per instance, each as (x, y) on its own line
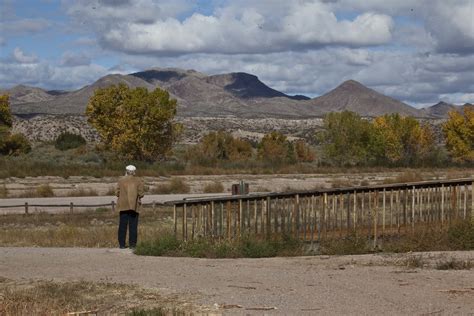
(317, 214)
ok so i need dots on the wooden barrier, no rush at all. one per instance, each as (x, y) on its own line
(374, 211)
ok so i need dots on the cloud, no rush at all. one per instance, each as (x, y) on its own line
(143, 28)
(49, 76)
(71, 59)
(20, 57)
(23, 26)
(451, 23)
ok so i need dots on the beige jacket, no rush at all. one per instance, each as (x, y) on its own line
(130, 190)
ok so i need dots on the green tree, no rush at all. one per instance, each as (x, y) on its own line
(69, 140)
(135, 123)
(346, 138)
(459, 135)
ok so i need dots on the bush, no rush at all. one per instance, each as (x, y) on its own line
(215, 187)
(461, 236)
(15, 145)
(44, 191)
(3, 191)
(175, 186)
(69, 140)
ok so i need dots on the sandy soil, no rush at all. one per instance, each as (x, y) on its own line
(362, 285)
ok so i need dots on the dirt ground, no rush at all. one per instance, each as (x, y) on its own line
(357, 285)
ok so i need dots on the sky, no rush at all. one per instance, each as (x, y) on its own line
(418, 51)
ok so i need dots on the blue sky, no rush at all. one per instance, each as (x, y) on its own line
(420, 52)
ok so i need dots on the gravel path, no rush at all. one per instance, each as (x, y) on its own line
(362, 285)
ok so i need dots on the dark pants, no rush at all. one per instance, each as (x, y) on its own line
(130, 219)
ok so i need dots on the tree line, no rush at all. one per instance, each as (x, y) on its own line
(137, 124)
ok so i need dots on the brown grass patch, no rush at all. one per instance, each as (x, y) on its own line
(55, 298)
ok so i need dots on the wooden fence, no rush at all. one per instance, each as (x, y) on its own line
(314, 215)
(71, 207)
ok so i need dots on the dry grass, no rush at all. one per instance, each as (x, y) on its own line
(175, 186)
(454, 264)
(44, 190)
(54, 298)
(82, 192)
(93, 228)
(214, 187)
(406, 177)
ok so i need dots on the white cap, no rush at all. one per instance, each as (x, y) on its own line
(131, 168)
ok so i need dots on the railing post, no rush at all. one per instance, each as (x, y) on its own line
(113, 206)
(71, 207)
(26, 208)
(185, 223)
(472, 203)
(175, 223)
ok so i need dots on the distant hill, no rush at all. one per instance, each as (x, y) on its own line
(354, 96)
(234, 94)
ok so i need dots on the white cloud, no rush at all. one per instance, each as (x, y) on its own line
(232, 30)
(22, 58)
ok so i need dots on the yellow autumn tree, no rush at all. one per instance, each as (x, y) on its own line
(10, 144)
(402, 139)
(135, 123)
(459, 135)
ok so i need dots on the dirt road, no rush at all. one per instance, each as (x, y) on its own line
(362, 285)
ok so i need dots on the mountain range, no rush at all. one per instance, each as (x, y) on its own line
(233, 94)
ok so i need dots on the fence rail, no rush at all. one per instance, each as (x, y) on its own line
(314, 215)
(71, 206)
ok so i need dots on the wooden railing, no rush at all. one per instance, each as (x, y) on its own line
(314, 215)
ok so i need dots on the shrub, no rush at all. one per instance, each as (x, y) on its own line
(16, 144)
(3, 191)
(350, 245)
(215, 187)
(175, 186)
(461, 235)
(44, 190)
(69, 140)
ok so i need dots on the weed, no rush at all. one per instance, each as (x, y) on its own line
(352, 244)
(454, 264)
(158, 247)
(415, 261)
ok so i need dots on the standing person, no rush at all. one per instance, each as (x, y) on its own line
(130, 189)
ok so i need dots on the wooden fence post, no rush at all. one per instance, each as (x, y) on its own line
(175, 224)
(71, 207)
(26, 208)
(113, 206)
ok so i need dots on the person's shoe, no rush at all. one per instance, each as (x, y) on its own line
(123, 247)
